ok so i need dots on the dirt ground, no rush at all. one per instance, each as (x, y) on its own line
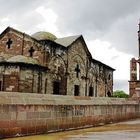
(133, 125)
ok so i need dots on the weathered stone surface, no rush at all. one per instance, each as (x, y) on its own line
(40, 117)
(60, 66)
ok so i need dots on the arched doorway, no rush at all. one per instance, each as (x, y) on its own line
(109, 94)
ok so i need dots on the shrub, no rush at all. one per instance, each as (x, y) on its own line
(120, 94)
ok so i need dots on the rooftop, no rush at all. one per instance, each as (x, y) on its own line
(44, 36)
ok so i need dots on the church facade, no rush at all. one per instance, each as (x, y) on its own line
(44, 64)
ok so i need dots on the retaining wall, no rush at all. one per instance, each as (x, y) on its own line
(29, 113)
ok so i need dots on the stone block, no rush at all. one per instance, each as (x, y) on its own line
(32, 115)
(31, 130)
(16, 131)
(5, 116)
(22, 116)
(13, 108)
(44, 114)
(4, 124)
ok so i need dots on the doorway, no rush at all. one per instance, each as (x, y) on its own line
(90, 91)
(76, 90)
(56, 88)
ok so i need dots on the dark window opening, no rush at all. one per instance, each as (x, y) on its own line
(9, 43)
(76, 90)
(56, 87)
(109, 77)
(109, 94)
(46, 81)
(90, 91)
(31, 51)
(0, 85)
(39, 82)
(77, 69)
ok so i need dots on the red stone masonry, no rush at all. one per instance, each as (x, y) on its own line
(28, 114)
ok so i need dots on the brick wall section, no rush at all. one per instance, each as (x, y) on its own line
(21, 45)
(27, 114)
(134, 83)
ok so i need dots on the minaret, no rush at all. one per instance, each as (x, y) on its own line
(139, 39)
(139, 49)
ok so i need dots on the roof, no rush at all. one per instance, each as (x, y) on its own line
(44, 36)
(66, 41)
(99, 62)
(23, 59)
(20, 60)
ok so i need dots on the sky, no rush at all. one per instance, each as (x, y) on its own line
(109, 27)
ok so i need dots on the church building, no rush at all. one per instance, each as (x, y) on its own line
(45, 64)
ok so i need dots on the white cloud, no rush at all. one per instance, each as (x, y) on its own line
(50, 18)
(5, 20)
(114, 21)
(102, 51)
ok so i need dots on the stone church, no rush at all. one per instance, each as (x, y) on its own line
(44, 64)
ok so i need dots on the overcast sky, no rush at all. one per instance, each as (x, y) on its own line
(109, 27)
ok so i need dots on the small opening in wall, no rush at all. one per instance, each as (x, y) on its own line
(31, 51)
(9, 43)
(0, 85)
(90, 91)
(109, 77)
(56, 87)
(76, 90)
(109, 94)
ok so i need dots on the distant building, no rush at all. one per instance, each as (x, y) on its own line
(44, 64)
(134, 83)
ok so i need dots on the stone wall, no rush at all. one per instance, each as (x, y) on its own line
(21, 44)
(27, 114)
(71, 69)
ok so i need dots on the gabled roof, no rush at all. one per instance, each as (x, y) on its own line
(100, 63)
(19, 32)
(66, 41)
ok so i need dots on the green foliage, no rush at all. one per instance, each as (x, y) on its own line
(120, 94)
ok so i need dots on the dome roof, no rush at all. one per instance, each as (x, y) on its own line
(5, 57)
(22, 59)
(44, 36)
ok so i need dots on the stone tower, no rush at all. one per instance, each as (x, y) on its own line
(134, 83)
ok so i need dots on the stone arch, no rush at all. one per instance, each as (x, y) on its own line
(57, 65)
(91, 83)
(77, 55)
(91, 74)
(76, 75)
(57, 75)
(77, 59)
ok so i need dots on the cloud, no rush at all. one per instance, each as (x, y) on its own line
(49, 17)
(109, 27)
(121, 85)
(20, 14)
(113, 21)
(102, 50)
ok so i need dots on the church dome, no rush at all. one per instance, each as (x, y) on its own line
(44, 36)
(4, 57)
(22, 59)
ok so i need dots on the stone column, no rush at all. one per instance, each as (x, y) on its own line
(133, 70)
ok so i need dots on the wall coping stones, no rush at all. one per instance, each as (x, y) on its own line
(45, 99)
